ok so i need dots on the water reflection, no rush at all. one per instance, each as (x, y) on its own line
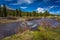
(45, 22)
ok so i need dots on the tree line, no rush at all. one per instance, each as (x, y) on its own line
(4, 12)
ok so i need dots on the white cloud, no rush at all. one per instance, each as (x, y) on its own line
(1, 5)
(9, 8)
(23, 1)
(23, 7)
(8, 0)
(47, 8)
(50, 7)
(40, 10)
(28, 1)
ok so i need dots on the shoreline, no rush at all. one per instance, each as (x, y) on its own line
(6, 20)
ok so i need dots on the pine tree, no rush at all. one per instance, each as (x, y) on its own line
(46, 13)
(0, 10)
(40, 14)
(5, 10)
(17, 12)
(27, 14)
(30, 14)
(20, 13)
(34, 13)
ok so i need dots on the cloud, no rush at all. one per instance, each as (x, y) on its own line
(23, 7)
(55, 12)
(40, 10)
(9, 8)
(28, 1)
(47, 8)
(8, 0)
(50, 7)
(23, 1)
(1, 5)
(53, 6)
(43, 9)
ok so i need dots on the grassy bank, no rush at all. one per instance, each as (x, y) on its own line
(7, 20)
(42, 33)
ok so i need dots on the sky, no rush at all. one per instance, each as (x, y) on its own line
(53, 6)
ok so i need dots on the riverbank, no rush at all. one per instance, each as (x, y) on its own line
(6, 20)
(41, 34)
(14, 26)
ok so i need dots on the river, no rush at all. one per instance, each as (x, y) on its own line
(8, 29)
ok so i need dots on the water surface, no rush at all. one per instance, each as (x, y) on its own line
(11, 28)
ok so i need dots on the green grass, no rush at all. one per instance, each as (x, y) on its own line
(44, 33)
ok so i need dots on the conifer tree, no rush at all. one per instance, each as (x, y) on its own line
(20, 13)
(4, 10)
(46, 13)
(0, 10)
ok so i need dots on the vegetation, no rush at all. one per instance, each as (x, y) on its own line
(4, 11)
(42, 33)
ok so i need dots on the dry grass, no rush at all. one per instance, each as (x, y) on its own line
(8, 20)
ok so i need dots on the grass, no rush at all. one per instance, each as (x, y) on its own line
(42, 34)
(4, 20)
(9, 21)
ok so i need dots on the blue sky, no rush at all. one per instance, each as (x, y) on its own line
(53, 6)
